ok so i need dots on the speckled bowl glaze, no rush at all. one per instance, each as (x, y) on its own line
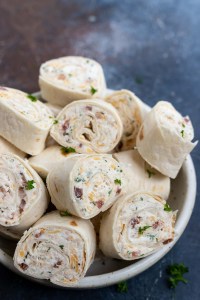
(106, 271)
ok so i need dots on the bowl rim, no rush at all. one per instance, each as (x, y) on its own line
(107, 279)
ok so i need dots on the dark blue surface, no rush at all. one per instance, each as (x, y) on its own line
(151, 47)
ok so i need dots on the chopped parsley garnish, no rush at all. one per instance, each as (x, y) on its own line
(61, 246)
(117, 181)
(65, 213)
(176, 271)
(141, 199)
(31, 97)
(182, 133)
(150, 173)
(183, 125)
(93, 90)
(78, 179)
(142, 229)
(122, 287)
(68, 150)
(109, 192)
(55, 121)
(30, 185)
(167, 207)
(138, 80)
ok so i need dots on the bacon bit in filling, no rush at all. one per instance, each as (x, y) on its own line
(186, 119)
(37, 235)
(135, 253)
(88, 108)
(99, 203)
(59, 263)
(118, 191)
(167, 241)
(78, 192)
(99, 115)
(22, 205)
(135, 222)
(61, 77)
(80, 145)
(24, 181)
(65, 125)
(73, 223)
(157, 224)
(23, 266)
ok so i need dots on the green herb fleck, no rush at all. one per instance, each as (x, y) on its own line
(182, 133)
(31, 97)
(117, 181)
(150, 173)
(138, 80)
(68, 150)
(151, 237)
(65, 213)
(79, 179)
(61, 246)
(141, 199)
(93, 90)
(176, 271)
(70, 75)
(142, 229)
(183, 125)
(167, 207)
(122, 287)
(109, 192)
(55, 121)
(30, 185)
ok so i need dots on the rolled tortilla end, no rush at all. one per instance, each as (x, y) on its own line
(88, 126)
(132, 112)
(164, 139)
(48, 159)
(6, 147)
(23, 196)
(86, 185)
(136, 226)
(24, 120)
(56, 248)
(70, 78)
(141, 176)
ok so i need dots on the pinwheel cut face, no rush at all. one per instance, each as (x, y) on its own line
(172, 120)
(143, 226)
(88, 128)
(97, 182)
(74, 73)
(18, 190)
(34, 111)
(53, 253)
(130, 115)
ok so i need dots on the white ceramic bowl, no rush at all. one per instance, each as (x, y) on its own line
(106, 271)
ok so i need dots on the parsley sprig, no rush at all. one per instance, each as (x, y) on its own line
(117, 181)
(150, 173)
(93, 90)
(67, 150)
(31, 97)
(30, 185)
(142, 229)
(167, 207)
(122, 287)
(176, 271)
(65, 213)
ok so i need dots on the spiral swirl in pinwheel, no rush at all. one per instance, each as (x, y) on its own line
(23, 196)
(88, 126)
(24, 120)
(70, 78)
(131, 111)
(85, 185)
(57, 248)
(164, 139)
(136, 226)
(141, 176)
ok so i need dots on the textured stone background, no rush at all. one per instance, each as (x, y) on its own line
(150, 47)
